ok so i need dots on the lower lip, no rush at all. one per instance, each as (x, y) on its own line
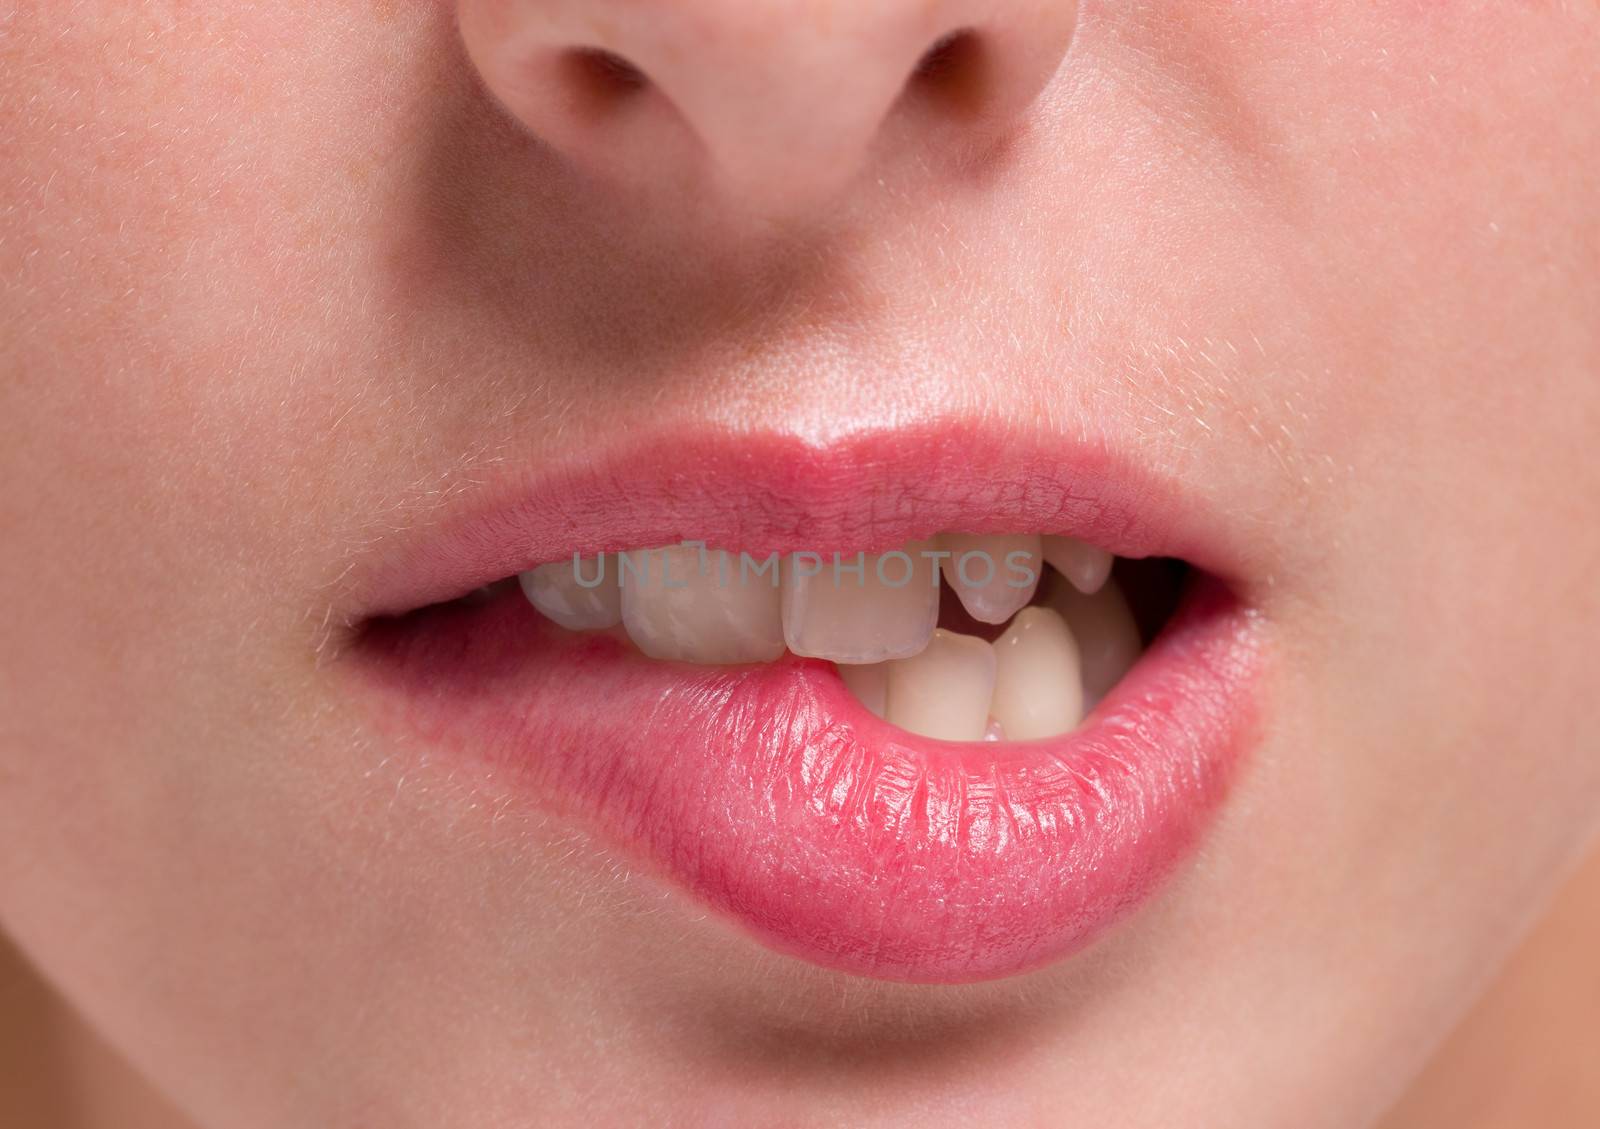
(771, 795)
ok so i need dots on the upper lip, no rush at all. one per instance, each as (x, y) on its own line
(763, 789)
(775, 492)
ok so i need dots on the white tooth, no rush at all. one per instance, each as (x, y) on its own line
(1080, 562)
(555, 590)
(944, 692)
(994, 574)
(1038, 688)
(1108, 637)
(685, 605)
(870, 684)
(887, 610)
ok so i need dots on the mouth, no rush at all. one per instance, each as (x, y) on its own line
(932, 706)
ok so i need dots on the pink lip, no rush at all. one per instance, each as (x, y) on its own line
(768, 792)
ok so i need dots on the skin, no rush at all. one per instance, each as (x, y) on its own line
(276, 283)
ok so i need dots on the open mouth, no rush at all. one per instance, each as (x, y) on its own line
(833, 693)
(964, 637)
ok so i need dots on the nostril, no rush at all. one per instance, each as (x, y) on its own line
(953, 72)
(601, 79)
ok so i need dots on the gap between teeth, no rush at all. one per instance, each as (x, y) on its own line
(877, 619)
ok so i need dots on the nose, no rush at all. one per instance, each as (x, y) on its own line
(769, 104)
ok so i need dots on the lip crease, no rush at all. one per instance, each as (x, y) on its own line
(768, 792)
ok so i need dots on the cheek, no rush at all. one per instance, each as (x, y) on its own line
(173, 395)
(197, 331)
(1437, 210)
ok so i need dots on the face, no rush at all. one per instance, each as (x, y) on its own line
(312, 318)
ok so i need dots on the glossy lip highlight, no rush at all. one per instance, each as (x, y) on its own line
(767, 791)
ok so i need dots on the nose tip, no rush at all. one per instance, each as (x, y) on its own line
(771, 104)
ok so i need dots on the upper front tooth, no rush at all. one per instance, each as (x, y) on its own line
(1107, 635)
(1086, 566)
(944, 692)
(579, 595)
(690, 605)
(860, 610)
(994, 574)
(1038, 690)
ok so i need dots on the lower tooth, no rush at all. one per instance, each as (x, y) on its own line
(870, 684)
(944, 691)
(691, 606)
(592, 605)
(1038, 690)
(1084, 565)
(1107, 636)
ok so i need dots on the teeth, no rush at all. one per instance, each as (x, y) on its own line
(680, 604)
(944, 691)
(1037, 684)
(1108, 637)
(994, 574)
(1080, 562)
(870, 684)
(555, 591)
(876, 617)
(860, 617)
